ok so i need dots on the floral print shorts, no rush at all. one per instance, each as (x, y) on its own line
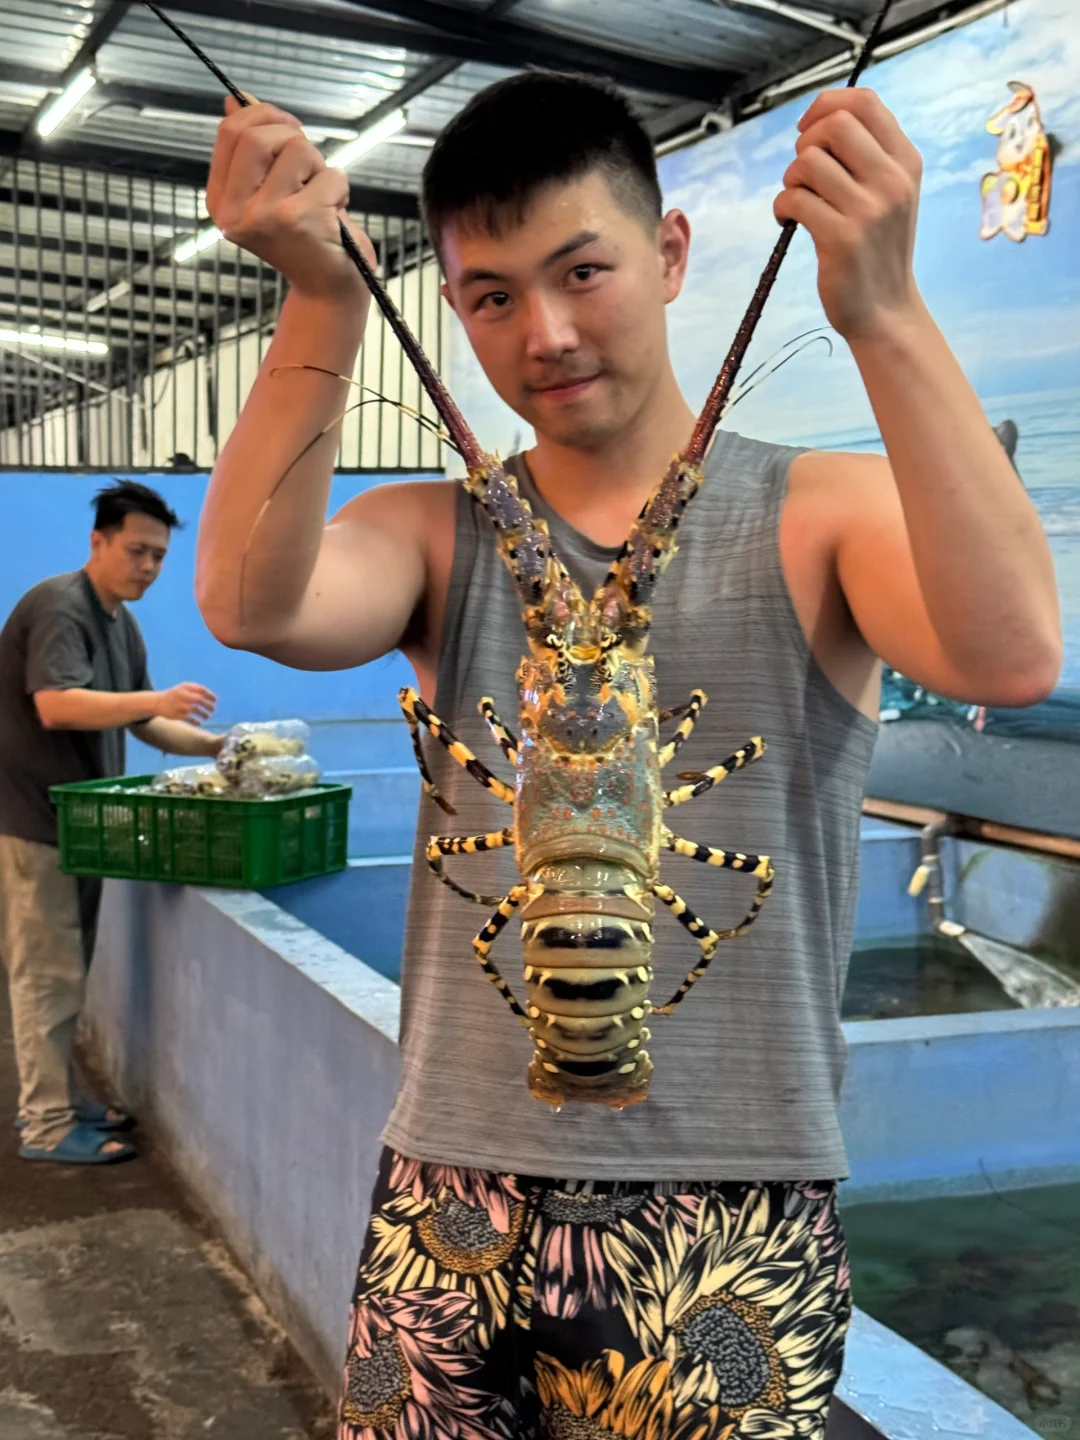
(498, 1307)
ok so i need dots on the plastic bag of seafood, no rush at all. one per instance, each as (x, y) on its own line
(262, 776)
(203, 780)
(261, 740)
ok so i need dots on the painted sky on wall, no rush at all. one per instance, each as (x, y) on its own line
(1010, 311)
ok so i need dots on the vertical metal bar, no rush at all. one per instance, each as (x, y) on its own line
(400, 350)
(360, 393)
(216, 341)
(440, 454)
(363, 395)
(61, 202)
(16, 210)
(196, 339)
(84, 399)
(383, 332)
(237, 280)
(421, 286)
(108, 323)
(172, 324)
(259, 282)
(130, 428)
(43, 394)
(151, 361)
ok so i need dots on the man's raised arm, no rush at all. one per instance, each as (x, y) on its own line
(271, 575)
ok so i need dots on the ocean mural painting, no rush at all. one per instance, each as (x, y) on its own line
(1010, 311)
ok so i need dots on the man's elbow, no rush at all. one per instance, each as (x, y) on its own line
(220, 619)
(1033, 680)
(50, 710)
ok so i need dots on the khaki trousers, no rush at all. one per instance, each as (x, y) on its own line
(48, 923)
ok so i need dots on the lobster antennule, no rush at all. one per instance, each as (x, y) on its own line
(650, 544)
(523, 542)
(465, 442)
(544, 585)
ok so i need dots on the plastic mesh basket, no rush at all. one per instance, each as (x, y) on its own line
(117, 829)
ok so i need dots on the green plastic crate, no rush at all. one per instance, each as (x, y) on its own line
(192, 840)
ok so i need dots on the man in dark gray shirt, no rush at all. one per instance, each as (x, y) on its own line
(73, 678)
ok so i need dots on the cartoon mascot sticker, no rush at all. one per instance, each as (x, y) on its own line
(1016, 196)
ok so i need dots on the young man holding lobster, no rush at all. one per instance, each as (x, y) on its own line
(675, 1269)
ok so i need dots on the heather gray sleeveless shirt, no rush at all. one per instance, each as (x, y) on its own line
(749, 1067)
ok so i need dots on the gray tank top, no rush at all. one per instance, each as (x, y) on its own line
(749, 1068)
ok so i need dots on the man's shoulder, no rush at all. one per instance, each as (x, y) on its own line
(59, 594)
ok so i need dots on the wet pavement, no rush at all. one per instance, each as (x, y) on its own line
(123, 1316)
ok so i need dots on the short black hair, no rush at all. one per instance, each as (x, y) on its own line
(529, 131)
(116, 502)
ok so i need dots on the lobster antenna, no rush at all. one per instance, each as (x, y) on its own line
(627, 589)
(714, 405)
(463, 438)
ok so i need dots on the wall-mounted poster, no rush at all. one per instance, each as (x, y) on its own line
(1016, 196)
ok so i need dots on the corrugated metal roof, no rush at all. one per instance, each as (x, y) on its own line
(45, 33)
(283, 50)
(685, 32)
(332, 61)
(341, 78)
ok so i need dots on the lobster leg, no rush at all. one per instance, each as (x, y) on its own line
(486, 938)
(699, 781)
(442, 845)
(416, 714)
(697, 702)
(758, 865)
(708, 940)
(506, 740)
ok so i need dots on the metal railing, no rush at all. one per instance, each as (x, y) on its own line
(116, 355)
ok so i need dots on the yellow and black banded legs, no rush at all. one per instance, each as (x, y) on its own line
(708, 940)
(697, 702)
(759, 866)
(442, 845)
(416, 714)
(486, 938)
(505, 739)
(698, 781)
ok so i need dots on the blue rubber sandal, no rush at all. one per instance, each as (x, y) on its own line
(83, 1145)
(93, 1112)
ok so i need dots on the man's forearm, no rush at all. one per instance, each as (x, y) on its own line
(94, 709)
(177, 737)
(983, 563)
(269, 545)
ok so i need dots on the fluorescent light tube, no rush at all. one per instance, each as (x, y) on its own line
(78, 86)
(367, 140)
(196, 244)
(35, 340)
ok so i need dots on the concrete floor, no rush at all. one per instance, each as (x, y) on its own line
(122, 1317)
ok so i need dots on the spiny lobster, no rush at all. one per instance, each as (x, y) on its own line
(588, 800)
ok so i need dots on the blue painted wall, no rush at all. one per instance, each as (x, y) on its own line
(354, 713)
(47, 520)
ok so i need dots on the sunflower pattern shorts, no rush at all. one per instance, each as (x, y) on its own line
(496, 1307)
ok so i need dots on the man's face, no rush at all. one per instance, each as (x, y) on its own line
(128, 560)
(565, 312)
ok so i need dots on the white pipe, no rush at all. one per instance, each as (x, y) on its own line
(830, 69)
(809, 18)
